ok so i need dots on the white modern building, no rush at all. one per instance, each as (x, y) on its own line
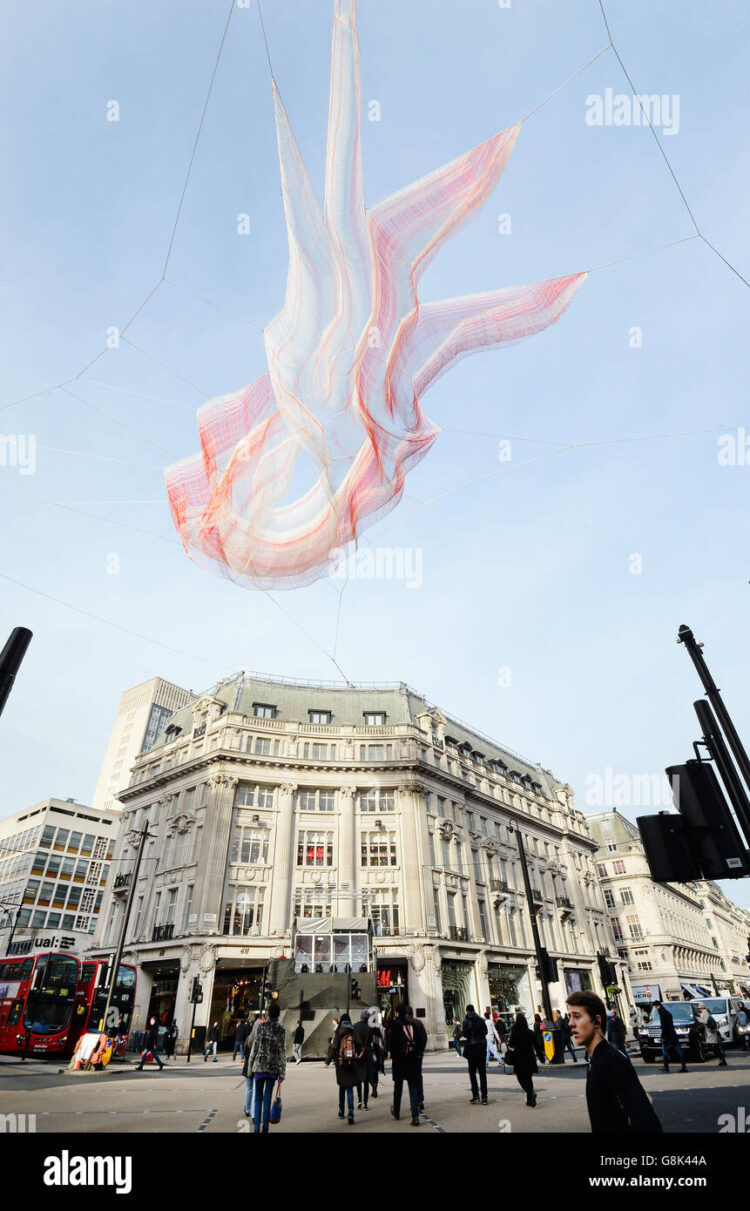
(54, 864)
(674, 937)
(142, 713)
(270, 802)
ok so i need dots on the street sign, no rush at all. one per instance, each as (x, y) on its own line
(549, 1044)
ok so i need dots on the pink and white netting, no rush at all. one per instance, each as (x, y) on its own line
(294, 466)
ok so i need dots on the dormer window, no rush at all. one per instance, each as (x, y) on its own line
(374, 718)
(264, 710)
(320, 716)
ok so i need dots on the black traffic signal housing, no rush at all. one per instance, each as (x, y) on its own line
(667, 847)
(196, 991)
(306, 1012)
(549, 967)
(356, 991)
(607, 971)
(713, 835)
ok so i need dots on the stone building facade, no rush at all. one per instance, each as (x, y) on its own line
(270, 801)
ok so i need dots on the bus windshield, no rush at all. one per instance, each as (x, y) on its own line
(50, 1002)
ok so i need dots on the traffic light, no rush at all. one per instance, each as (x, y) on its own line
(549, 967)
(196, 991)
(713, 835)
(607, 971)
(267, 991)
(356, 990)
(666, 845)
(306, 1013)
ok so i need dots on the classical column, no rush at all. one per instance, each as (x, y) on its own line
(279, 912)
(346, 905)
(411, 856)
(212, 863)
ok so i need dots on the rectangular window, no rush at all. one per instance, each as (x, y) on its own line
(40, 861)
(171, 906)
(616, 929)
(53, 866)
(47, 836)
(375, 800)
(619, 868)
(320, 716)
(315, 849)
(374, 718)
(482, 921)
(45, 894)
(244, 796)
(189, 801)
(477, 866)
(320, 752)
(601, 870)
(611, 847)
(446, 853)
(88, 845)
(61, 840)
(263, 710)
(626, 895)
(138, 918)
(609, 899)
(634, 925)
(378, 848)
(262, 747)
(244, 911)
(167, 854)
(431, 843)
(312, 902)
(249, 846)
(264, 796)
(197, 845)
(436, 906)
(382, 907)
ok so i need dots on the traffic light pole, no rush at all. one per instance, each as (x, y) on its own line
(714, 742)
(535, 933)
(192, 1030)
(713, 693)
(114, 970)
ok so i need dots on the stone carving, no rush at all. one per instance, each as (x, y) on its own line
(346, 793)
(417, 958)
(208, 958)
(447, 829)
(219, 781)
(287, 788)
(184, 961)
(181, 823)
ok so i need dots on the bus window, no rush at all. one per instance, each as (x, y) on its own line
(15, 1013)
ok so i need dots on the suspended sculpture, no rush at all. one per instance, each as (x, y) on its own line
(294, 466)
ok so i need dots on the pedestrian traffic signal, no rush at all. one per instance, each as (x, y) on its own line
(196, 991)
(356, 990)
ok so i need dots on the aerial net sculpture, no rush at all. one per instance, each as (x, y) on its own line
(294, 466)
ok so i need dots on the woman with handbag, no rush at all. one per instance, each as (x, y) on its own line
(521, 1054)
(267, 1063)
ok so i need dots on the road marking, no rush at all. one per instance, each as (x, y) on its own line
(432, 1122)
(207, 1120)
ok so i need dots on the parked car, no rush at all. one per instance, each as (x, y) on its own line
(724, 1010)
(691, 1034)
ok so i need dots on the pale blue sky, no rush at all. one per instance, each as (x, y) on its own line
(528, 568)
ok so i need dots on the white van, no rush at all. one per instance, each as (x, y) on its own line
(724, 1011)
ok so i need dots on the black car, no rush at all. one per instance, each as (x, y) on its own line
(691, 1034)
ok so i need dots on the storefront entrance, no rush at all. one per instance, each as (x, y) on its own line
(458, 991)
(166, 977)
(392, 986)
(509, 992)
(236, 996)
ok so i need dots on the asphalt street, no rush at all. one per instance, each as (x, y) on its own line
(206, 1098)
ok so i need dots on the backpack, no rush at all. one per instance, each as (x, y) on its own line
(347, 1050)
(410, 1047)
(712, 1024)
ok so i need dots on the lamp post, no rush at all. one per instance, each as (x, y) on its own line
(10, 660)
(537, 942)
(114, 969)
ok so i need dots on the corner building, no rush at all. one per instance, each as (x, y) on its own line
(273, 803)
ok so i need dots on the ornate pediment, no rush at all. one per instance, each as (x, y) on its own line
(181, 823)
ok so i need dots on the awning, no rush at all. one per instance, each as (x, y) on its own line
(696, 992)
(324, 925)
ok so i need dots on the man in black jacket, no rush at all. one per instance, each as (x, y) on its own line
(669, 1037)
(151, 1044)
(616, 1100)
(298, 1040)
(474, 1030)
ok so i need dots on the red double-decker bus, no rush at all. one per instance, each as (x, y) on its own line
(48, 1000)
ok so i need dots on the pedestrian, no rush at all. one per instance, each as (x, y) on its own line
(343, 1052)
(241, 1031)
(377, 1050)
(669, 1037)
(335, 1028)
(408, 1040)
(421, 1036)
(616, 1032)
(493, 1039)
(566, 1037)
(170, 1039)
(538, 1036)
(456, 1036)
(713, 1037)
(362, 1066)
(474, 1030)
(247, 1073)
(212, 1041)
(743, 1025)
(298, 1040)
(616, 1100)
(152, 1043)
(522, 1055)
(267, 1062)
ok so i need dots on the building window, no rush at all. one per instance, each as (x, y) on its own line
(375, 800)
(477, 866)
(316, 800)
(626, 895)
(48, 836)
(188, 908)
(431, 844)
(262, 747)
(312, 902)
(171, 905)
(253, 796)
(609, 899)
(244, 911)
(436, 906)
(482, 921)
(619, 868)
(61, 840)
(264, 710)
(249, 845)
(138, 916)
(378, 848)
(376, 752)
(320, 716)
(374, 718)
(616, 929)
(601, 870)
(382, 906)
(611, 847)
(634, 925)
(315, 849)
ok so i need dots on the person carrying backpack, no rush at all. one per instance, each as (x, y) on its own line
(408, 1040)
(343, 1052)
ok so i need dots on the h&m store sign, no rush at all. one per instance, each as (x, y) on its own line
(72, 943)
